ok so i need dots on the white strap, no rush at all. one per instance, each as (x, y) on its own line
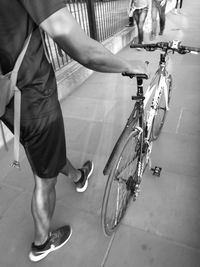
(17, 103)
(44, 45)
(17, 118)
(19, 61)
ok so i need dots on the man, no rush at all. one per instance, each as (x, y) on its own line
(42, 130)
(158, 8)
(141, 8)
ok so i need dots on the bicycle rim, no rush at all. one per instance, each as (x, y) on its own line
(119, 188)
(161, 111)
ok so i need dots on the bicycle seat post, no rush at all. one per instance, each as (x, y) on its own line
(139, 86)
(163, 58)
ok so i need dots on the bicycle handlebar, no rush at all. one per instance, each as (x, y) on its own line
(174, 46)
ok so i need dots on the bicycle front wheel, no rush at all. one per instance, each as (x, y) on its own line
(120, 184)
(161, 110)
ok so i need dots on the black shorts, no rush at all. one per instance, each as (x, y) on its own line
(44, 142)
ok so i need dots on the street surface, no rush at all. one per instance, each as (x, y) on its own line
(162, 228)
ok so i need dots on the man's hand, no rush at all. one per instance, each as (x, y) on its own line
(138, 67)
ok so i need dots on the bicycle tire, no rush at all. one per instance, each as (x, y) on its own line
(120, 181)
(161, 111)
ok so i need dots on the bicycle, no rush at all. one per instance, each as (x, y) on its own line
(131, 153)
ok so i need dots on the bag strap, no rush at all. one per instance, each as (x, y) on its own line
(42, 33)
(17, 102)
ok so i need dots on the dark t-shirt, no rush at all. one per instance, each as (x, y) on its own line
(36, 78)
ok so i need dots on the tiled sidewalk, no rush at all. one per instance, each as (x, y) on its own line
(162, 228)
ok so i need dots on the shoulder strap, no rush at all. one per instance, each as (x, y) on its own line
(17, 102)
(42, 33)
(19, 61)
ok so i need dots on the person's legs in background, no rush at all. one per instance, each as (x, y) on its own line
(162, 17)
(154, 14)
(178, 6)
(131, 18)
(140, 17)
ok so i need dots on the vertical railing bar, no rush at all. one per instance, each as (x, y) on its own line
(109, 16)
(99, 30)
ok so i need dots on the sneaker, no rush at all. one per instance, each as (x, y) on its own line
(175, 11)
(130, 25)
(56, 240)
(86, 172)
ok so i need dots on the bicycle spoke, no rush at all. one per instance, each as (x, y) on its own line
(119, 191)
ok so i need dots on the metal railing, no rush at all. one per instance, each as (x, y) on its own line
(100, 19)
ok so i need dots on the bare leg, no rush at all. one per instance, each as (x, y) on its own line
(71, 172)
(42, 207)
(154, 13)
(141, 20)
(162, 17)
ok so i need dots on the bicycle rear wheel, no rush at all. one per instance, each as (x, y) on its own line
(161, 110)
(121, 184)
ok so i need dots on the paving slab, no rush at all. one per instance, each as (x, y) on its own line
(135, 248)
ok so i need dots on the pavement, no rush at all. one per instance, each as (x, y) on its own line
(162, 228)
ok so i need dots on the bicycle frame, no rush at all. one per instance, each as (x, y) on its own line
(131, 154)
(156, 86)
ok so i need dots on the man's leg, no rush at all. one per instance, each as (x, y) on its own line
(42, 207)
(79, 176)
(71, 172)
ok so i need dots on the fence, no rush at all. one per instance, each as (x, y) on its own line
(100, 19)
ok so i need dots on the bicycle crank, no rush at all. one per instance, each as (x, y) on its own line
(133, 186)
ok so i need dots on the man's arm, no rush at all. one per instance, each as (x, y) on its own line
(67, 33)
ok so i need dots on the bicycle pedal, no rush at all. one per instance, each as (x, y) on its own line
(156, 171)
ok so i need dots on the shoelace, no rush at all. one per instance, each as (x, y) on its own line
(55, 235)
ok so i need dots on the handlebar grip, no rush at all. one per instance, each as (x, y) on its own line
(190, 48)
(136, 46)
(148, 47)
